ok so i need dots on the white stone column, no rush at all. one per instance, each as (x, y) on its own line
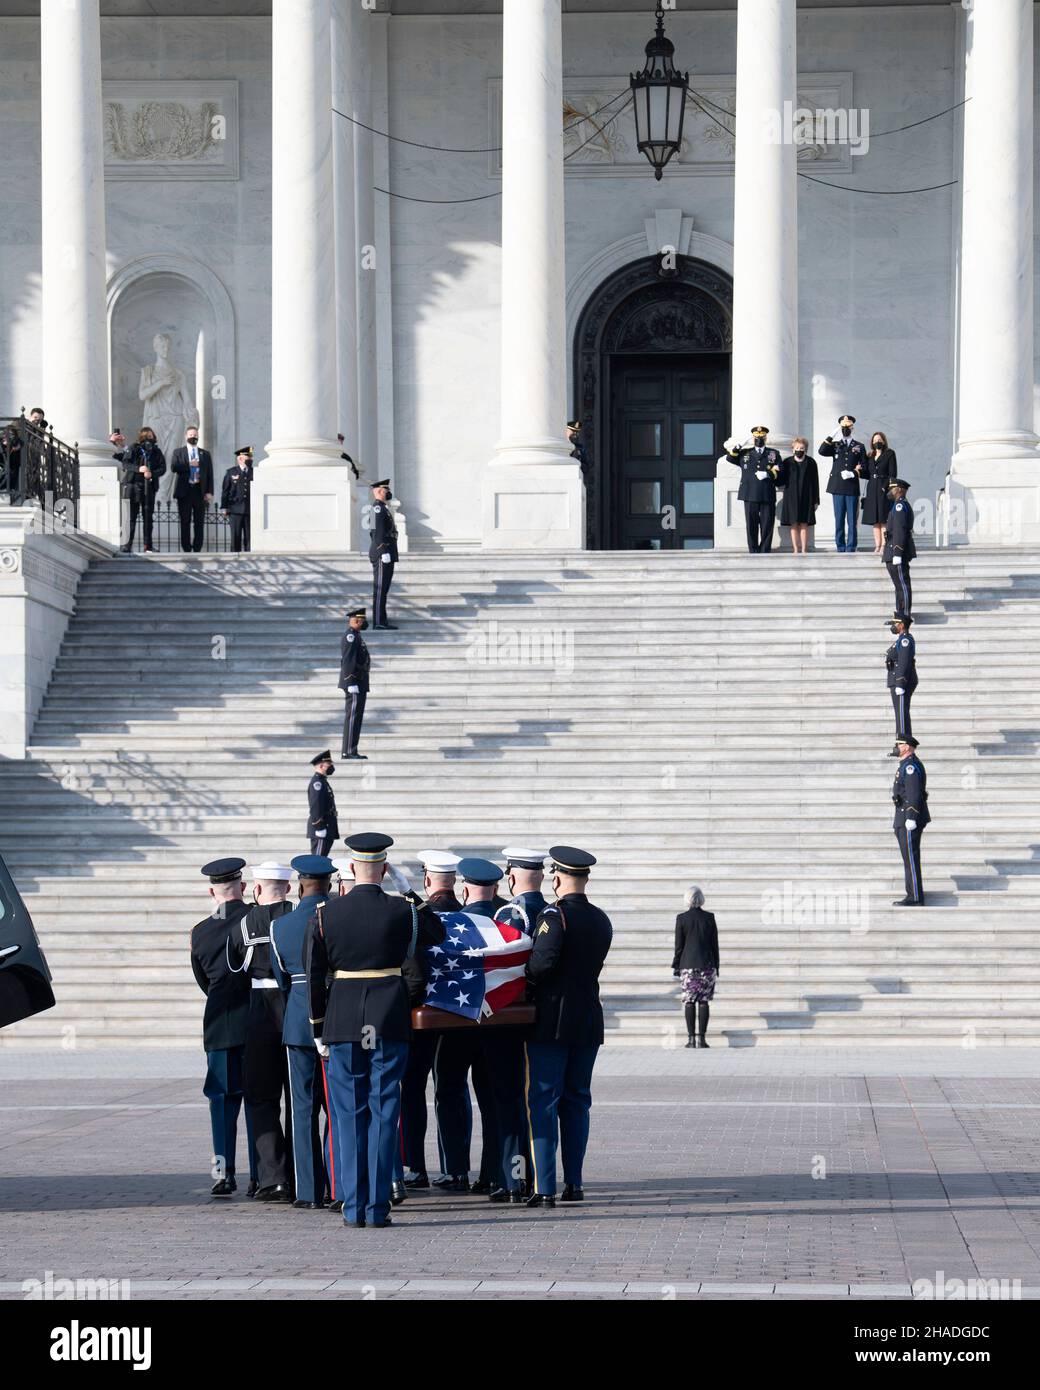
(994, 482)
(344, 67)
(301, 495)
(533, 492)
(765, 245)
(73, 326)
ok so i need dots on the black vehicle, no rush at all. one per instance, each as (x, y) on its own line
(25, 981)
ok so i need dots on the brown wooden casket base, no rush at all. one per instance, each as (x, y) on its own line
(429, 1020)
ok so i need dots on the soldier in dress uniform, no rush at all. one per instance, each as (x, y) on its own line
(525, 874)
(314, 1167)
(354, 664)
(382, 551)
(365, 969)
(901, 661)
(848, 466)
(899, 545)
(234, 496)
(322, 825)
(910, 794)
(263, 1062)
(759, 471)
(224, 1022)
(571, 942)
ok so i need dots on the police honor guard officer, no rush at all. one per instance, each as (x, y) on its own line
(910, 794)
(899, 545)
(849, 464)
(900, 659)
(571, 942)
(382, 551)
(354, 664)
(234, 496)
(322, 825)
(224, 1021)
(759, 471)
(365, 969)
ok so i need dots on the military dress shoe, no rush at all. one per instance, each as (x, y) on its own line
(253, 1187)
(398, 1192)
(416, 1180)
(457, 1182)
(541, 1201)
(276, 1193)
(378, 1225)
(385, 627)
(336, 1206)
(908, 902)
(356, 757)
(226, 1187)
(358, 1221)
(572, 1194)
(481, 1188)
(301, 1205)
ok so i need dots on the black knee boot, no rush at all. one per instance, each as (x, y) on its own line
(691, 1025)
(703, 1012)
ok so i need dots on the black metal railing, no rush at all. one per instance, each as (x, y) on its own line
(36, 466)
(166, 529)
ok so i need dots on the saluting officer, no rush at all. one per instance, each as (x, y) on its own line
(224, 1022)
(307, 1080)
(525, 874)
(366, 968)
(848, 466)
(322, 825)
(234, 496)
(901, 661)
(910, 794)
(571, 942)
(759, 471)
(354, 664)
(382, 551)
(899, 545)
(263, 1061)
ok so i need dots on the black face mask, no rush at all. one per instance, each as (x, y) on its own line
(193, 443)
(364, 624)
(846, 430)
(799, 453)
(330, 769)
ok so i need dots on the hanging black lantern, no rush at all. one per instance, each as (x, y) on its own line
(659, 97)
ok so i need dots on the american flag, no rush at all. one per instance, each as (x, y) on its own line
(478, 967)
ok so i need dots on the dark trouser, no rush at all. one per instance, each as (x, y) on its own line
(192, 511)
(14, 482)
(504, 1055)
(382, 578)
(460, 1052)
(140, 505)
(223, 1090)
(239, 530)
(264, 1085)
(353, 718)
(306, 1102)
(900, 577)
(365, 1090)
(559, 1098)
(910, 849)
(422, 1060)
(846, 510)
(901, 707)
(322, 844)
(760, 518)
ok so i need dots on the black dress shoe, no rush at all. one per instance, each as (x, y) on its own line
(416, 1180)
(386, 1221)
(224, 1188)
(357, 757)
(336, 1206)
(276, 1193)
(500, 1194)
(253, 1187)
(907, 902)
(572, 1194)
(398, 1192)
(481, 1188)
(540, 1200)
(691, 1042)
(360, 1223)
(702, 1041)
(457, 1182)
(125, 550)
(301, 1205)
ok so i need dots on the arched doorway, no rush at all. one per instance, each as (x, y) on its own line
(652, 384)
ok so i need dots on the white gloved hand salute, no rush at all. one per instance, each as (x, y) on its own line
(399, 879)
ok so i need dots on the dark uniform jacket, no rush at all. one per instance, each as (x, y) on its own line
(910, 793)
(368, 930)
(901, 662)
(354, 661)
(181, 465)
(289, 937)
(249, 952)
(751, 462)
(696, 941)
(444, 902)
(234, 493)
(227, 994)
(847, 454)
(899, 532)
(322, 808)
(523, 912)
(133, 483)
(383, 533)
(571, 941)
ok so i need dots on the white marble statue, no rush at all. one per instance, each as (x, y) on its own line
(168, 408)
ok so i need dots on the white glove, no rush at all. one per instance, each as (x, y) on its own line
(320, 834)
(385, 557)
(900, 690)
(846, 473)
(353, 690)
(323, 1051)
(897, 559)
(730, 444)
(910, 824)
(761, 473)
(398, 878)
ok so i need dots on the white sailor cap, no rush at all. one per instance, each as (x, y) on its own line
(524, 858)
(438, 861)
(272, 872)
(342, 866)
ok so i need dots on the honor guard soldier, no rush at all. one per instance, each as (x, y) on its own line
(759, 471)
(234, 496)
(901, 661)
(224, 1022)
(439, 885)
(910, 794)
(322, 825)
(848, 466)
(308, 1084)
(382, 551)
(365, 970)
(263, 1061)
(354, 663)
(899, 545)
(525, 873)
(571, 941)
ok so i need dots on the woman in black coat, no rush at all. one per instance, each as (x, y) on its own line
(801, 483)
(696, 962)
(143, 464)
(881, 470)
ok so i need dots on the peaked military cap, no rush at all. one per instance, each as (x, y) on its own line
(356, 613)
(899, 482)
(369, 848)
(479, 871)
(270, 872)
(223, 870)
(907, 738)
(903, 618)
(325, 757)
(439, 861)
(383, 482)
(244, 449)
(842, 418)
(524, 858)
(571, 860)
(313, 866)
(759, 429)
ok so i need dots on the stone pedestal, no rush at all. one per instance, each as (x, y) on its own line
(532, 506)
(302, 508)
(100, 506)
